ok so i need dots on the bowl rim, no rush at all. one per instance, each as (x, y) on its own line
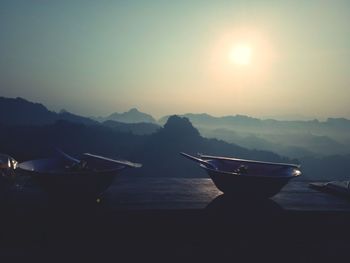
(211, 157)
(63, 173)
(247, 175)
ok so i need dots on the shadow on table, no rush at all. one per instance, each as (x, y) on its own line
(237, 205)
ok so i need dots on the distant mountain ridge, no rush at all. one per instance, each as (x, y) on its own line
(290, 138)
(18, 111)
(29, 130)
(294, 139)
(204, 119)
(139, 128)
(131, 116)
(158, 152)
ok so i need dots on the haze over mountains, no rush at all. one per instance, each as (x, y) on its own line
(158, 152)
(18, 111)
(131, 116)
(29, 130)
(295, 139)
(292, 138)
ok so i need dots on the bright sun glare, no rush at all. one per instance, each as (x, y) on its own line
(241, 54)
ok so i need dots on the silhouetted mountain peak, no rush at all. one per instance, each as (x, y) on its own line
(180, 126)
(22, 103)
(131, 116)
(134, 110)
(19, 111)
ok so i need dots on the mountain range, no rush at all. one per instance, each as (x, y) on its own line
(292, 138)
(158, 152)
(29, 130)
(18, 111)
(246, 123)
(131, 116)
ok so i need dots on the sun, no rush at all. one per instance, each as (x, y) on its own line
(241, 54)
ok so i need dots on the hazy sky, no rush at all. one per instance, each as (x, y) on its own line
(163, 57)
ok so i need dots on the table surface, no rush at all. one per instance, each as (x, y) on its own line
(184, 193)
(182, 216)
(141, 193)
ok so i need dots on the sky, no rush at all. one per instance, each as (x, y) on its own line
(257, 58)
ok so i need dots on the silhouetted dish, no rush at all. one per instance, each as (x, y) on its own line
(237, 207)
(65, 176)
(7, 174)
(248, 178)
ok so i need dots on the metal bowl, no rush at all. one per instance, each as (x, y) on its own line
(66, 177)
(247, 178)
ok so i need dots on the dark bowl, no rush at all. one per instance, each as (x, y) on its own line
(250, 179)
(67, 183)
(247, 186)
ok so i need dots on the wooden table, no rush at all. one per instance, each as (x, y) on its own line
(177, 218)
(184, 193)
(142, 193)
